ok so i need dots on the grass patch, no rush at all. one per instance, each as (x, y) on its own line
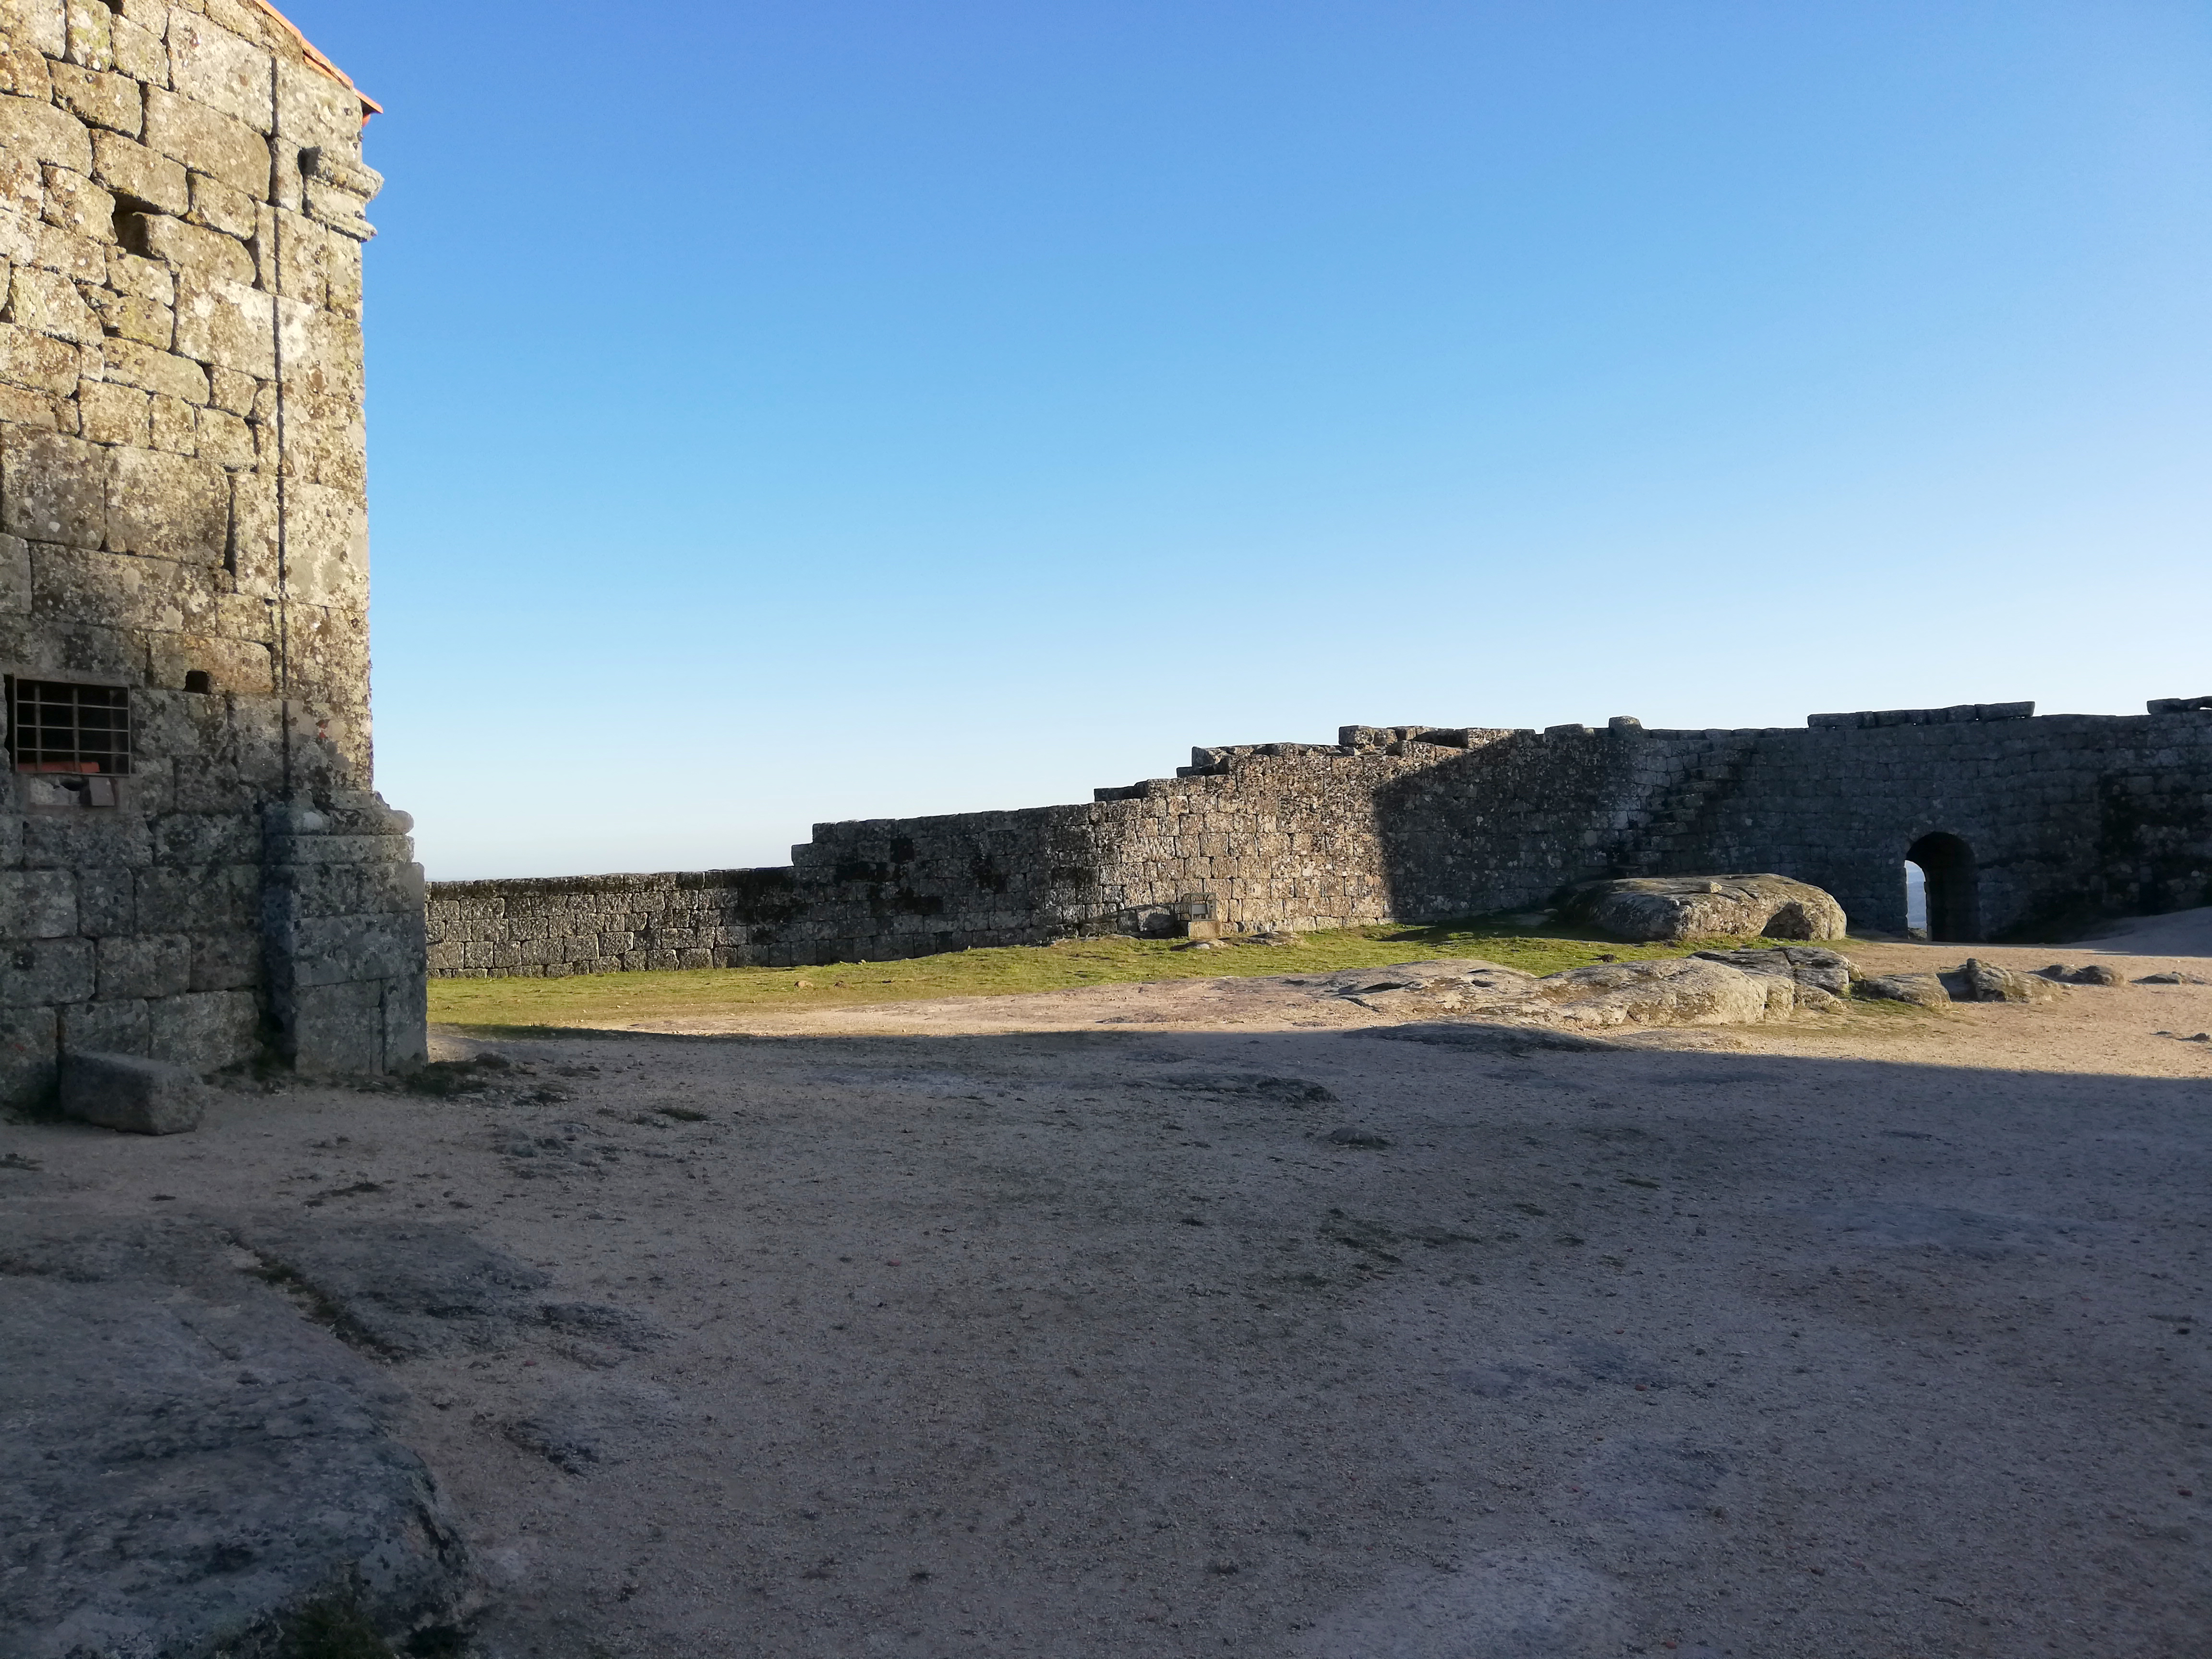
(589, 1001)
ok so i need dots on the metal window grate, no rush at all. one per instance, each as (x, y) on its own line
(54, 726)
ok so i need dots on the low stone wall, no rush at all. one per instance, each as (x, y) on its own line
(2065, 815)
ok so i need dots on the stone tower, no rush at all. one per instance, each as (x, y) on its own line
(193, 865)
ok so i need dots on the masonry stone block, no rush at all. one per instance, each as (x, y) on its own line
(218, 69)
(227, 961)
(126, 1091)
(208, 899)
(48, 302)
(40, 131)
(203, 257)
(99, 97)
(120, 1027)
(170, 507)
(40, 25)
(135, 363)
(208, 1029)
(229, 324)
(207, 141)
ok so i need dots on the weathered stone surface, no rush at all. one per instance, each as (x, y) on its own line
(113, 414)
(207, 141)
(202, 257)
(1807, 965)
(40, 25)
(100, 96)
(1975, 981)
(1682, 992)
(131, 169)
(30, 1056)
(215, 67)
(404, 1291)
(130, 1093)
(329, 543)
(2094, 973)
(139, 53)
(1668, 908)
(91, 34)
(40, 133)
(15, 576)
(134, 364)
(229, 324)
(53, 488)
(1697, 990)
(47, 303)
(24, 69)
(143, 321)
(169, 506)
(32, 359)
(189, 1463)
(75, 203)
(219, 208)
(1922, 990)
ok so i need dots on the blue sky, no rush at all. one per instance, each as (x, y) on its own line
(794, 412)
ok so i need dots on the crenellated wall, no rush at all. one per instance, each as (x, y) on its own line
(2066, 816)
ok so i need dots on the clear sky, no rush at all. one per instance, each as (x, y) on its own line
(784, 412)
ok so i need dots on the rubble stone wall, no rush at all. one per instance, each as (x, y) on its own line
(183, 515)
(2066, 816)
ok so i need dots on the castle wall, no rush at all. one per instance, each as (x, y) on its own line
(2067, 816)
(183, 523)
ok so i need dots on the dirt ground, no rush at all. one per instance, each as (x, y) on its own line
(1212, 1317)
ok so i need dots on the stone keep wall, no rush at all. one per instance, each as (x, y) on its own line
(2067, 816)
(183, 517)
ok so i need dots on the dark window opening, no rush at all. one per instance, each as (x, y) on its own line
(130, 223)
(1947, 867)
(199, 680)
(80, 730)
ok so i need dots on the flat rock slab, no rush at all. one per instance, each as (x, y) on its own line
(401, 1290)
(1921, 990)
(189, 1464)
(1712, 988)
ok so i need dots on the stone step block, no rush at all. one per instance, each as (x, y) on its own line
(133, 1094)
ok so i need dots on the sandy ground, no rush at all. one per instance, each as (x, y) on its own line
(1059, 1324)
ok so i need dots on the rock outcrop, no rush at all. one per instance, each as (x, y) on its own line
(1974, 980)
(1921, 990)
(190, 1467)
(2094, 973)
(1664, 909)
(1715, 987)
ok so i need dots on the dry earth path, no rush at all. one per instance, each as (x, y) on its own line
(1178, 1321)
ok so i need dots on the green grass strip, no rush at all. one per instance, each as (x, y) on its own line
(603, 1000)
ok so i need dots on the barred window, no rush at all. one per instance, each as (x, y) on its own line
(56, 727)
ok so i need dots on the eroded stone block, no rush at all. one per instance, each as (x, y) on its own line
(130, 1093)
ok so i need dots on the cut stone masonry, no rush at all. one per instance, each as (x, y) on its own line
(183, 523)
(2064, 817)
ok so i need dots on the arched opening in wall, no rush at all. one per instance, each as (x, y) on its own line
(1948, 908)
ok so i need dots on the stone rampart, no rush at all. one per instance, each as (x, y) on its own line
(2060, 817)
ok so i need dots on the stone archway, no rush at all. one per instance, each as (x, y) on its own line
(1948, 863)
